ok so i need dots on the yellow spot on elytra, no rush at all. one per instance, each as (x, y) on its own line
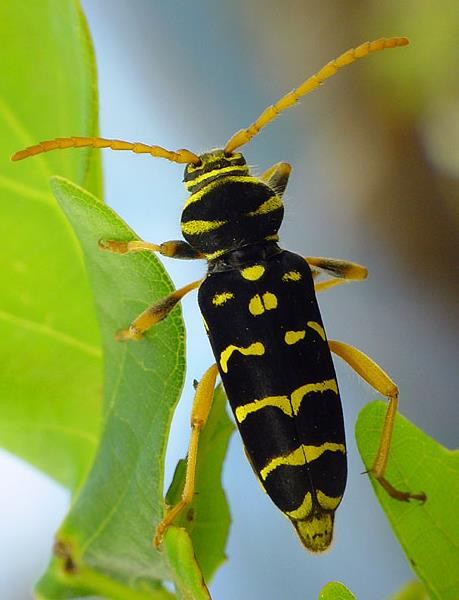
(281, 402)
(273, 203)
(317, 327)
(291, 276)
(269, 301)
(321, 386)
(300, 456)
(289, 406)
(258, 305)
(255, 349)
(220, 299)
(303, 510)
(327, 502)
(292, 337)
(199, 227)
(253, 273)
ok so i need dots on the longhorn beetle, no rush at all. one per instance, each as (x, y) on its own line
(261, 315)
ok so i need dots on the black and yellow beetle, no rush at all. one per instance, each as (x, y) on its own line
(260, 311)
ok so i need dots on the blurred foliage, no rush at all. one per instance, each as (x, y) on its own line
(420, 137)
(400, 113)
(414, 590)
(50, 389)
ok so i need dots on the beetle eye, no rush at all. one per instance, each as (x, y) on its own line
(193, 166)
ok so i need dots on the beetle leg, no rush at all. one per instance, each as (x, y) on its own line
(201, 407)
(374, 375)
(341, 271)
(171, 249)
(321, 286)
(155, 313)
(277, 177)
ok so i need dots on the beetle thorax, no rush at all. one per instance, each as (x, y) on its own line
(228, 208)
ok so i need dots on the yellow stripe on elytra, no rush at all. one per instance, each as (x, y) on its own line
(327, 502)
(291, 276)
(300, 456)
(214, 173)
(199, 227)
(220, 299)
(317, 327)
(281, 402)
(253, 273)
(293, 459)
(313, 452)
(216, 183)
(255, 349)
(258, 305)
(289, 406)
(301, 392)
(303, 510)
(292, 337)
(269, 205)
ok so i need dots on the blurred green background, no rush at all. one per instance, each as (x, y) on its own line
(375, 180)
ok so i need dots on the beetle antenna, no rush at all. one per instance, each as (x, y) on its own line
(180, 156)
(269, 114)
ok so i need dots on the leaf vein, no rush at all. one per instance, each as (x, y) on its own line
(46, 330)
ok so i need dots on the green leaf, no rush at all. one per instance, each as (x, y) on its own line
(188, 578)
(50, 350)
(335, 591)
(414, 590)
(428, 533)
(59, 585)
(207, 519)
(106, 538)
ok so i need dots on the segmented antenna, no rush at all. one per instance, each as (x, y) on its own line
(269, 114)
(180, 156)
